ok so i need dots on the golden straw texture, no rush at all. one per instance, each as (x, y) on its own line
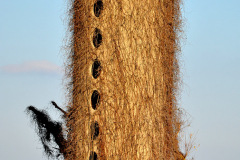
(138, 84)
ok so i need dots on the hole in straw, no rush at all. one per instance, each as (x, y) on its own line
(98, 7)
(93, 156)
(94, 130)
(95, 99)
(97, 38)
(96, 69)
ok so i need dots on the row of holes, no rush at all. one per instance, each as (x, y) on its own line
(96, 70)
(97, 36)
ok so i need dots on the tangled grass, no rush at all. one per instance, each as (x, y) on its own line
(50, 132)
(138, 46)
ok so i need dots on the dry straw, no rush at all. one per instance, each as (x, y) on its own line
(136, 46)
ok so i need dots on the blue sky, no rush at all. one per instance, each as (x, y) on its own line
(32, 35)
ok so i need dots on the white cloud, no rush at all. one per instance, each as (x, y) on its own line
(32, 67)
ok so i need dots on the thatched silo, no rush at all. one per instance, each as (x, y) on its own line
(124, 76)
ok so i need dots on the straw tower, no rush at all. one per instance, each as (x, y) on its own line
(123, 70)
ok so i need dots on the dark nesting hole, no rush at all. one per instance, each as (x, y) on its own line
(93, 156)
(96, 69)
(97, 38)
(98, 7)
(95, 99)
(94, 130)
